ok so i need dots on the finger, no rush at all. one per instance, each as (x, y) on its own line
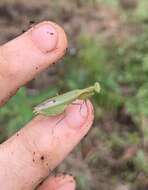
(58, 183)
(39, 147)
(22, 58)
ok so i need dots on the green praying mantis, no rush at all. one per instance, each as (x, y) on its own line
(58, 104)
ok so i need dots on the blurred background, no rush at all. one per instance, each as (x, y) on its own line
(108, 42)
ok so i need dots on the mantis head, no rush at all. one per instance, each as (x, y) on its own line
(97, 87)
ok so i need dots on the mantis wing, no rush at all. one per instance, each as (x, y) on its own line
(55, 110)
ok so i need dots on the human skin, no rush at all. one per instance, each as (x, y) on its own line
(30, 155)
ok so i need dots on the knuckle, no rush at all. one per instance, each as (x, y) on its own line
(38, 151)
(8, 70)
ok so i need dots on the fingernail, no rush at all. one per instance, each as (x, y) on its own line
(45, 37)
(77, 114)
(67, 186)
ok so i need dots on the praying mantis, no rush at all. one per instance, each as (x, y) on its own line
(57, 105)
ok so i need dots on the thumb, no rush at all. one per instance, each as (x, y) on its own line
(38, 148)
(22, 58)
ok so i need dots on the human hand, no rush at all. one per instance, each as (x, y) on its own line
(30, 156)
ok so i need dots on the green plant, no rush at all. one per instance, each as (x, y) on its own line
(18, 111)
(90, 65)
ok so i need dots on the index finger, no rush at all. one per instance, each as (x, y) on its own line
(29, 54)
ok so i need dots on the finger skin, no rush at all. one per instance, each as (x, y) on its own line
(61, 182)
(39, 147)
(24, 57)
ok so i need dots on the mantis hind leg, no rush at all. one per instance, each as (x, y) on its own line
(63, 116)
(64, 113)
(80, 104)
